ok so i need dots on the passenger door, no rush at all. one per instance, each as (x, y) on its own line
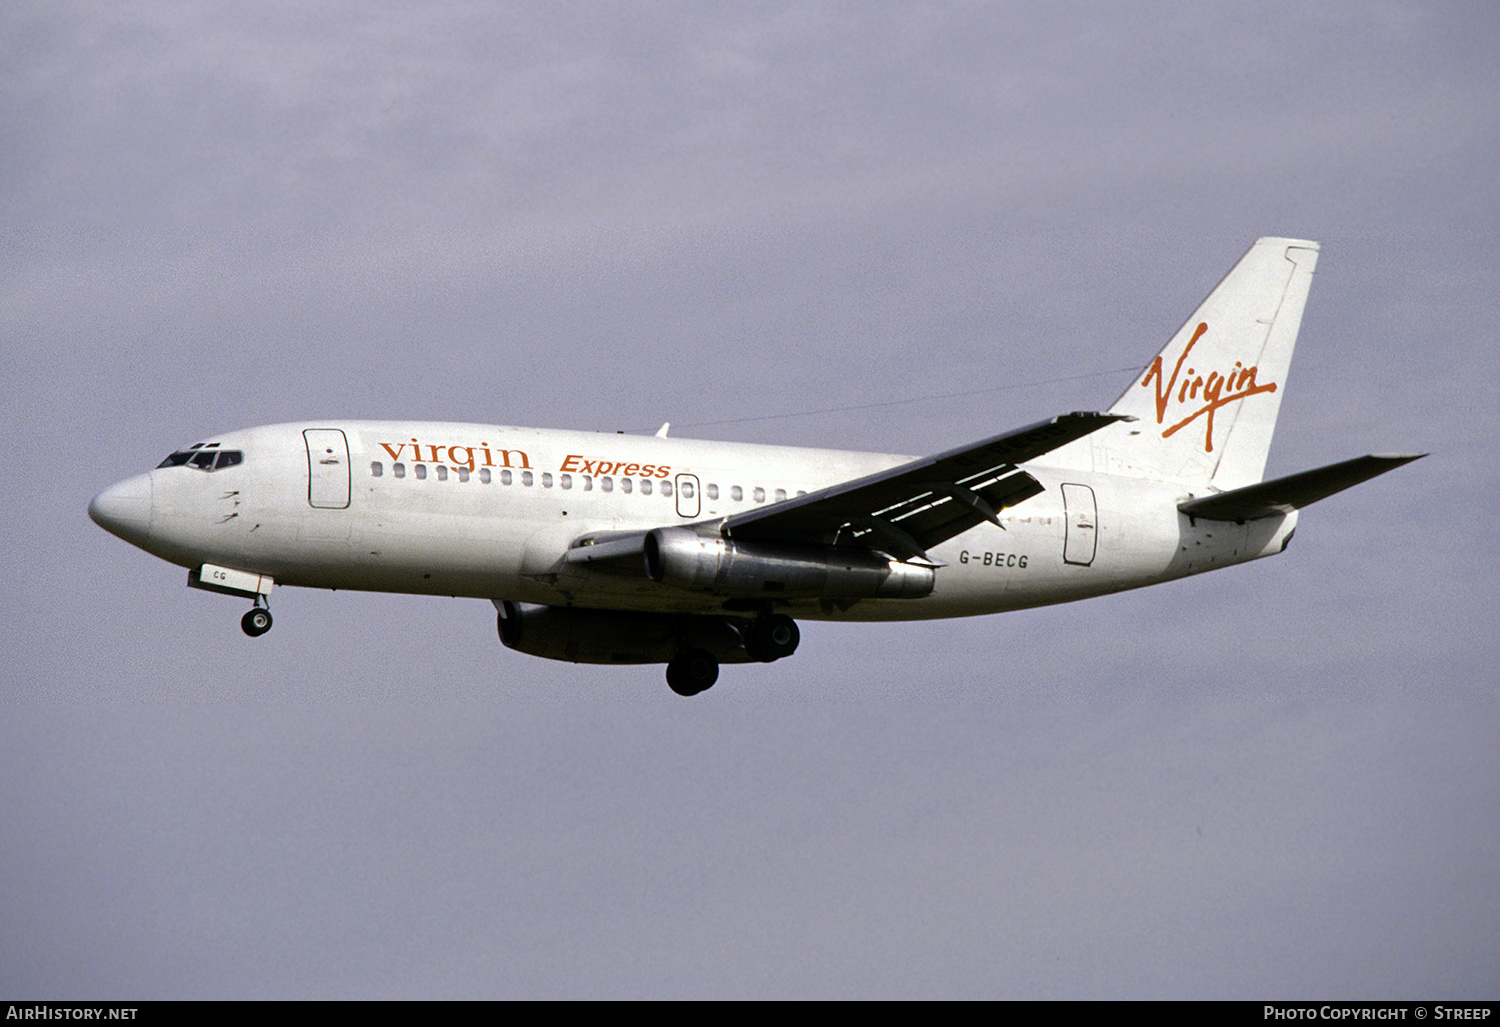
(327, 468)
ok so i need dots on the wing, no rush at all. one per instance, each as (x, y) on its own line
(909, 509)
(904, 511)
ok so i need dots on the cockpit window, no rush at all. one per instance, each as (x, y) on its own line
(204, 459)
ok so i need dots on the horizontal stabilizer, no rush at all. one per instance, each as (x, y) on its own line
(1283, 495)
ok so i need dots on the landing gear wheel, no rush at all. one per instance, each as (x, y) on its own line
(772, 638)
(257, 622)
(693, 671)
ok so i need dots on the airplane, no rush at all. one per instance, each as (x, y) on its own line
(628, 549)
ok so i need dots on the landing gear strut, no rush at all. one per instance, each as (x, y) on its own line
(693, 671)
(257, 622)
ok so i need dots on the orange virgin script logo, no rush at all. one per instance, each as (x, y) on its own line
(1212, 391)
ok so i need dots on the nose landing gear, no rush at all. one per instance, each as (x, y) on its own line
(246, 584)
(257, 622)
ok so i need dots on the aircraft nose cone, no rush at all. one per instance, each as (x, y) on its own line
(125, 509)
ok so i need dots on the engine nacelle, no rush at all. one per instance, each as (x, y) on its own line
(720, 566)
(611, 636)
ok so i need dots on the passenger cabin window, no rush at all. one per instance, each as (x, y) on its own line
(645, 486)
(376, 469)
(736, 493)
(399, 470)
(442, 473)
(759, 494)
(625, 485)
(712, 490)
(781, 495)
(420, 470)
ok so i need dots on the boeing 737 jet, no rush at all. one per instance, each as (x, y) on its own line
(600, 548)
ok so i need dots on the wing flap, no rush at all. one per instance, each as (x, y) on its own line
(1283, 495)
(945, 509)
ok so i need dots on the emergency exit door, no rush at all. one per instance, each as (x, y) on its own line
(688, 501)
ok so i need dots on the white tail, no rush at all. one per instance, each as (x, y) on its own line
(1205, 408)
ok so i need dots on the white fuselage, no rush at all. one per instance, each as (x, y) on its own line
(489, 512)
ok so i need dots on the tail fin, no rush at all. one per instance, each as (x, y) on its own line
(1205, 408)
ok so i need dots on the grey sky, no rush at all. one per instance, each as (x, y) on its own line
(1274, 781)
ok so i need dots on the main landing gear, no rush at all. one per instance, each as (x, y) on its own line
(766, 639)
(693, 671)
(771, 638)
(257, 622)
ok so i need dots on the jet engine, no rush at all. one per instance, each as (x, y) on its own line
(720, 566)
(578, 635)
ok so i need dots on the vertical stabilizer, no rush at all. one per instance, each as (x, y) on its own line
(1205, 408)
